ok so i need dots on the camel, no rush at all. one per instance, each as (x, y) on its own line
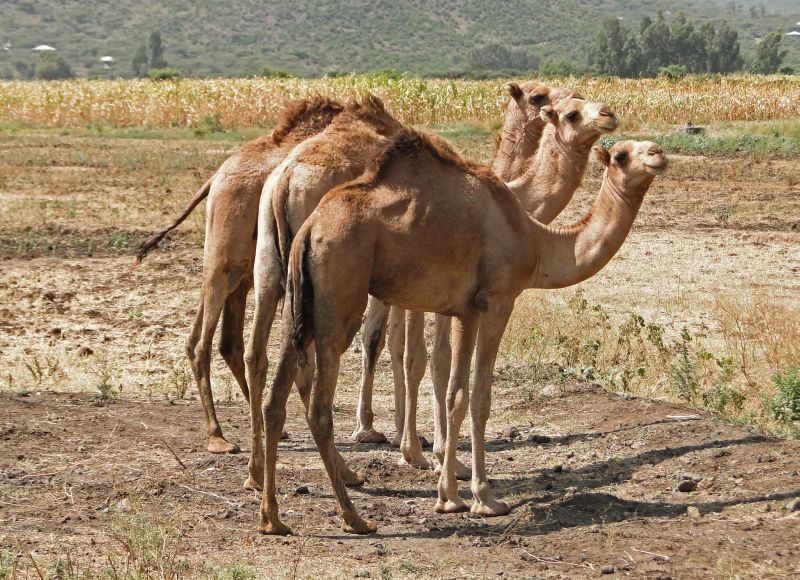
(233, 193)
(516, 144)
(419, 198)
(334, 157)
(550, 179)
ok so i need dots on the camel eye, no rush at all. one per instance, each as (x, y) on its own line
(572, 116)
(620, 157)
(536, 99)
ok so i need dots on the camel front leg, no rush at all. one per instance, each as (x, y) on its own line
(397, 345)
(440, 372)
(372, 341)
(415, 355)
(457, 401)
(492, 326)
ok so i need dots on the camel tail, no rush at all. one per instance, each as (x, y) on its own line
(300, 293)
(156, 238)
(277, 191)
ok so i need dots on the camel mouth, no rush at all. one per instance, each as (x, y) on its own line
(606, 124)
(656, 168)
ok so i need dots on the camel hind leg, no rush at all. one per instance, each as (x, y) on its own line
(373, 340)
(231, 345)
(415, 357)
(198, 349)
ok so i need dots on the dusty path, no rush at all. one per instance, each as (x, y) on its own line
(602, 491)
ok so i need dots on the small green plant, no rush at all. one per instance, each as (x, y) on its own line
(673, 71)
(8, 564)
(105, 389)
(723, 214)
(137, 313)
(410, 567)
(119, 240)
(685, 379)
(232, 572)
(785, 406)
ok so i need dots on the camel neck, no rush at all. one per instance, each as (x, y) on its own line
(552, 179)
(571, 254)
(519, 140)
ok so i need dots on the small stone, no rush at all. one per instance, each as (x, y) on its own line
(122, 505)
(570, 454)
(302, 490)
(228, 514)
(536, 438)
(607, 569)
(55, 332)
(558, 468)
(20, 457)
(85, 351)
(693, 512)
(548, 390)
(793, 505)
(686, 486)
(49, 295)
(511, 433)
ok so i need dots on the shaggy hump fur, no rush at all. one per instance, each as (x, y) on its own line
(301, 110)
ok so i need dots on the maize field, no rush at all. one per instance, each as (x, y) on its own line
(232, 103)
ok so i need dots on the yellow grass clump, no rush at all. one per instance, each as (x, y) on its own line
(232, 103)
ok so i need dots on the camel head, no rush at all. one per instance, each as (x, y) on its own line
(578, 121)
(529, 98)
(631, 166)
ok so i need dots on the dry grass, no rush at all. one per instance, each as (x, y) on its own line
(229, 103)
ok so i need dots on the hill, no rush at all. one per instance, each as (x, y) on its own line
(313, 37)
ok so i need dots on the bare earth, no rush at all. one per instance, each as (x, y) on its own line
(602, 491)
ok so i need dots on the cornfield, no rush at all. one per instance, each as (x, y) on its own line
(232, 103)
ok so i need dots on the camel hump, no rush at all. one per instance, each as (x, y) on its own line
(301, 110)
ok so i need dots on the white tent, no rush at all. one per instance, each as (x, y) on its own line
(43, 48)
(107, 59)
(793, 33)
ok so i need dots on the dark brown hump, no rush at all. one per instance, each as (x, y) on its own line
(302, 111)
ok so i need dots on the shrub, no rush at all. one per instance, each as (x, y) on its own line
(164, 74)
(785, 406)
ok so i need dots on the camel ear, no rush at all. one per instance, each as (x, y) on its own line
(602, 155)
(547, 114)
(514, 90)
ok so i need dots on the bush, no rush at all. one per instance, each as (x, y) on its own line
(785, 406)
(164, 74)
(673, 71)
(52, 67)
(271, 73)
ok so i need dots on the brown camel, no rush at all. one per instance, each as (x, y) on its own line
(517, 142)
(233, 193)
(424, 230)
(334, 157)
(553, 174)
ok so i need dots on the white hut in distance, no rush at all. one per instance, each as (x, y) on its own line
(108, 61)
(43, 48)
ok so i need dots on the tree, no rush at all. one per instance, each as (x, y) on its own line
(610, 48)
(769, 56)
(656, 43)
(156, 51)
(726, 51)
(52, 66)
(139, 62)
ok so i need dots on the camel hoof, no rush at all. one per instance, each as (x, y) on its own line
(274, 529)
(369, 436)
(360, 526)
(219, 445)
(450, 507)
(396, 440)
(353, 479)
(252, 484)
(418, 462)
(490, 508)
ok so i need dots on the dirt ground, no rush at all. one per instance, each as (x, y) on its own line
(592, 476)
(592, 479)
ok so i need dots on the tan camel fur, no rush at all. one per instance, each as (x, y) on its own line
(233, 193)
(551, 178)
(424, 230)
(516, 144)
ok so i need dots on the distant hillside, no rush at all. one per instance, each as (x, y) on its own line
(313, 37)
